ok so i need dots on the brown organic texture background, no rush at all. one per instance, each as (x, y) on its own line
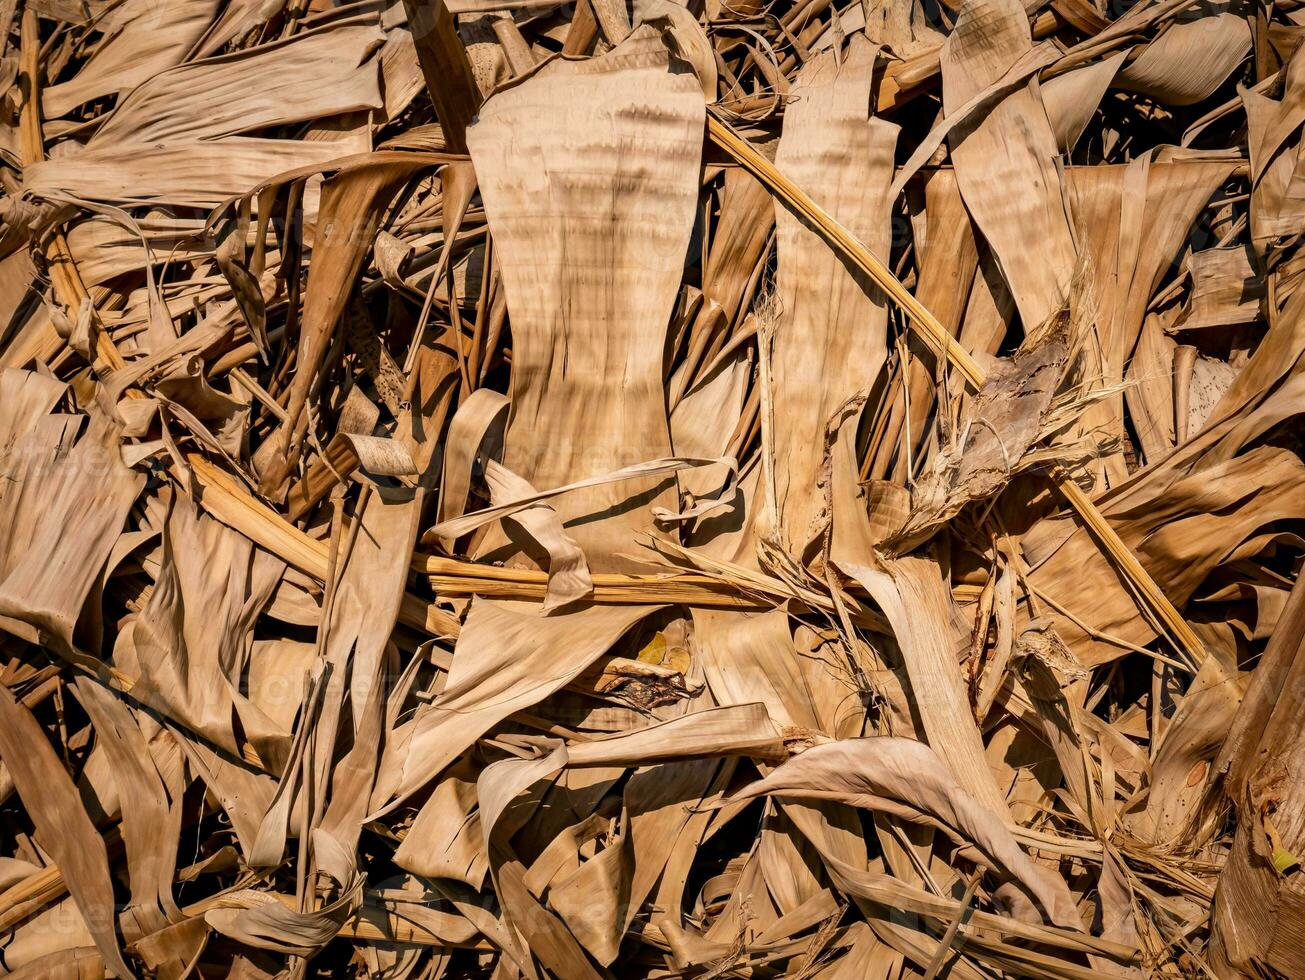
(509, 489)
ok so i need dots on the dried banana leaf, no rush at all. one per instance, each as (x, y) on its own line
(630, 489)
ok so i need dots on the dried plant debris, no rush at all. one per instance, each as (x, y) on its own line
(495, 488)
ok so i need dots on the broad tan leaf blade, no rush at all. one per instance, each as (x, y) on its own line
(906, 778)
(62, 507)
(592, 237)
(1005, 160)
(830, 340)
(507, 659)
(62, 825)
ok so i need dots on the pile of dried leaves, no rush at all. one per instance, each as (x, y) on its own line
(746, 489)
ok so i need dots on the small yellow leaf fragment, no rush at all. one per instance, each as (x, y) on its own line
(654, 651)
(1284, 862)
